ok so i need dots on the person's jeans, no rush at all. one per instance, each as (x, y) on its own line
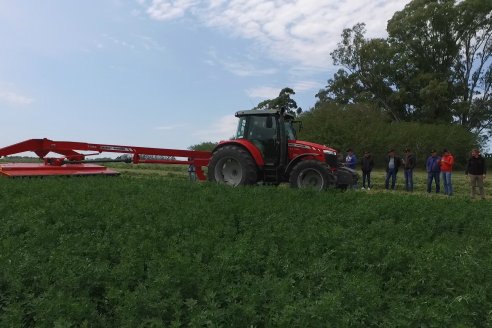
(366, 176)
(409, 179)
(448, 187)
(391, 173)
(433, 176)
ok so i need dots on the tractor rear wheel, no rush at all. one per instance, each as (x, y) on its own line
(311, 174)
(232, 165)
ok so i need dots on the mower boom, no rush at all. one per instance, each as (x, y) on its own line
(74, 161)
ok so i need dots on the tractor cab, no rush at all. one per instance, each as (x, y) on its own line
(262, 128)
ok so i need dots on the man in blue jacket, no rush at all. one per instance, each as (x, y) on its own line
(433, 171)
(350, 162)
(351, 159)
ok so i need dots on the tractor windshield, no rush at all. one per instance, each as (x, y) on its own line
(262, 128)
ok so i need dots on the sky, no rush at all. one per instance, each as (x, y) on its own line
(163, 73)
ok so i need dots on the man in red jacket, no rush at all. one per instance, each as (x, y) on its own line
(447, 162)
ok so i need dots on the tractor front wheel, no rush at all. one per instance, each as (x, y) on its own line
(311, 174)
(232, 165)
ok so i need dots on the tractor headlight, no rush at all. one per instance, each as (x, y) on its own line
(329, 152)
(331, 158)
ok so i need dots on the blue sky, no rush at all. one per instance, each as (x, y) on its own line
(163, 73)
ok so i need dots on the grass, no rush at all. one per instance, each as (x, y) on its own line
(460, 182)
(158, 252)
(461, 185)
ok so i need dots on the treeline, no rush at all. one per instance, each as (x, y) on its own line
(361, 128)
(435, 66)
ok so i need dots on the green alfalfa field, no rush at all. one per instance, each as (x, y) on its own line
(152, 249)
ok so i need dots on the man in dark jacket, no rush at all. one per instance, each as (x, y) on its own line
(367, 164)
(408, 166)
(393, 162)
(433, 167)
(476, 170)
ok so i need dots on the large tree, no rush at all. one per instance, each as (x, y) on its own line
(435, 65)
(283, 100)
(367, 74)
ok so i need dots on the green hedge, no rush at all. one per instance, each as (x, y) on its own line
(363, 128)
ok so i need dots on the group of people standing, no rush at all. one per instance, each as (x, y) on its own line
(436, 166)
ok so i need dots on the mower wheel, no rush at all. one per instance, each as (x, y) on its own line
(232, 165)
(311, 174)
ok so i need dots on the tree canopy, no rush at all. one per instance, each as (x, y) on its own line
(204, 146)
(283, 100)
(435, 66)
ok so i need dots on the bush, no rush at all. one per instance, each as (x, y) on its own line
(363, 128)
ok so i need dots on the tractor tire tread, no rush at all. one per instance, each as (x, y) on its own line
(323, 168)
(242, 156)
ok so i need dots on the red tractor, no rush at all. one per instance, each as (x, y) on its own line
(266, 149)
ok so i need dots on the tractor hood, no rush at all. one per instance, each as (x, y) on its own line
(313, 146)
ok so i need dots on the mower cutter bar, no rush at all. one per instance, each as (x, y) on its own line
(38, 169)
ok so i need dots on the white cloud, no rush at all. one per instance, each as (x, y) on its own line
(246, 69)
(301, 86)
(169, 9)
(14, 99)
(132, 42)
(223, 129)
(298, 31)
(117, 42)
(148, 43)
(238, 67)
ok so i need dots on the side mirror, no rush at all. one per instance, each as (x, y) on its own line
(269, 122)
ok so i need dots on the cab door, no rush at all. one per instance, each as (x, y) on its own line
(263, 133)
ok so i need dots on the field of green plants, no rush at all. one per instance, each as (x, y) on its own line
(151, 249)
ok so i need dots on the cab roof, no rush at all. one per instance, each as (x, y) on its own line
(263, 112)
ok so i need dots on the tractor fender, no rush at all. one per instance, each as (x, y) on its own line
(296, 160)
(248, 146)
